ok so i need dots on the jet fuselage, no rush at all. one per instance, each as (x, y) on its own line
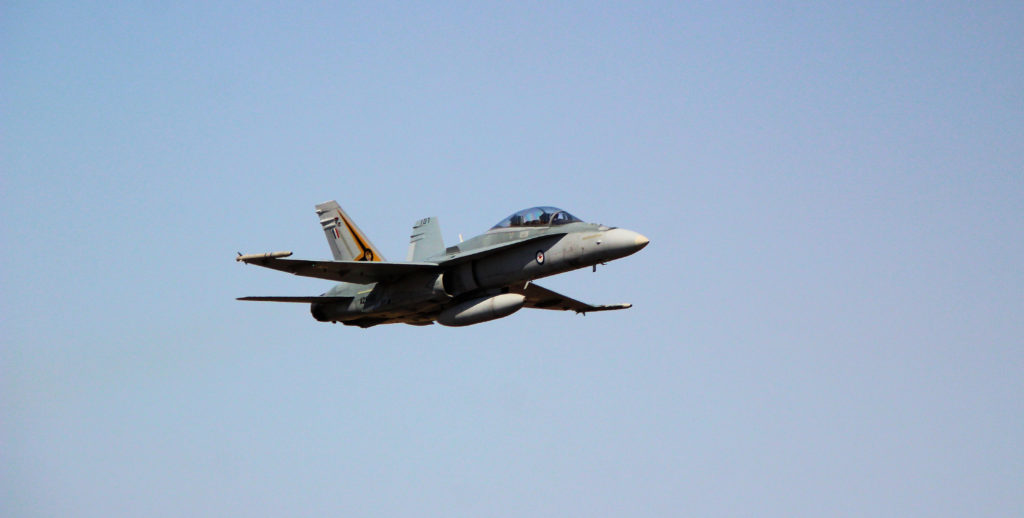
(576, 245)
(483, 278)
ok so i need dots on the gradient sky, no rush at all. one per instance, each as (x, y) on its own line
(829, 320)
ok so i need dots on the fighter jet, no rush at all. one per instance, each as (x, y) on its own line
(484, 278)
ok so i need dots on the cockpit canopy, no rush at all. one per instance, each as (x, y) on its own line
(537, 217)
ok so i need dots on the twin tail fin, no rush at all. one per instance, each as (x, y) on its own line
(347, 241)
(425, 240)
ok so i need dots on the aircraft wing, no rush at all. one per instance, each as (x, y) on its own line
(359, 272)
(543, 298)
(314, 298)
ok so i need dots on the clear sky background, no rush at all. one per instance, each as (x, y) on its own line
(829, 320)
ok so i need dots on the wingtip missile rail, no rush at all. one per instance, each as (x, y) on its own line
(256, 257)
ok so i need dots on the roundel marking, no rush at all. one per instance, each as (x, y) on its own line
(540, 257)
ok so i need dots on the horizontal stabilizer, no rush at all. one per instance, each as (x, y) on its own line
(359, 272)
(298, 299)
(543, 298)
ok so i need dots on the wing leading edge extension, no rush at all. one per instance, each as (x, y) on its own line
(458, 257)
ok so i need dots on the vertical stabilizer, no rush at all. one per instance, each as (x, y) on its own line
(347, 242)
(426, 240)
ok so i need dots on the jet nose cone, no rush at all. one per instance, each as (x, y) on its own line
(622, 242)
(641, 241)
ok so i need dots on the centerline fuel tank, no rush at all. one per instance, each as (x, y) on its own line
(482, 309)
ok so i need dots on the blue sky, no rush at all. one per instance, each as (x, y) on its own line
(829, 319)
